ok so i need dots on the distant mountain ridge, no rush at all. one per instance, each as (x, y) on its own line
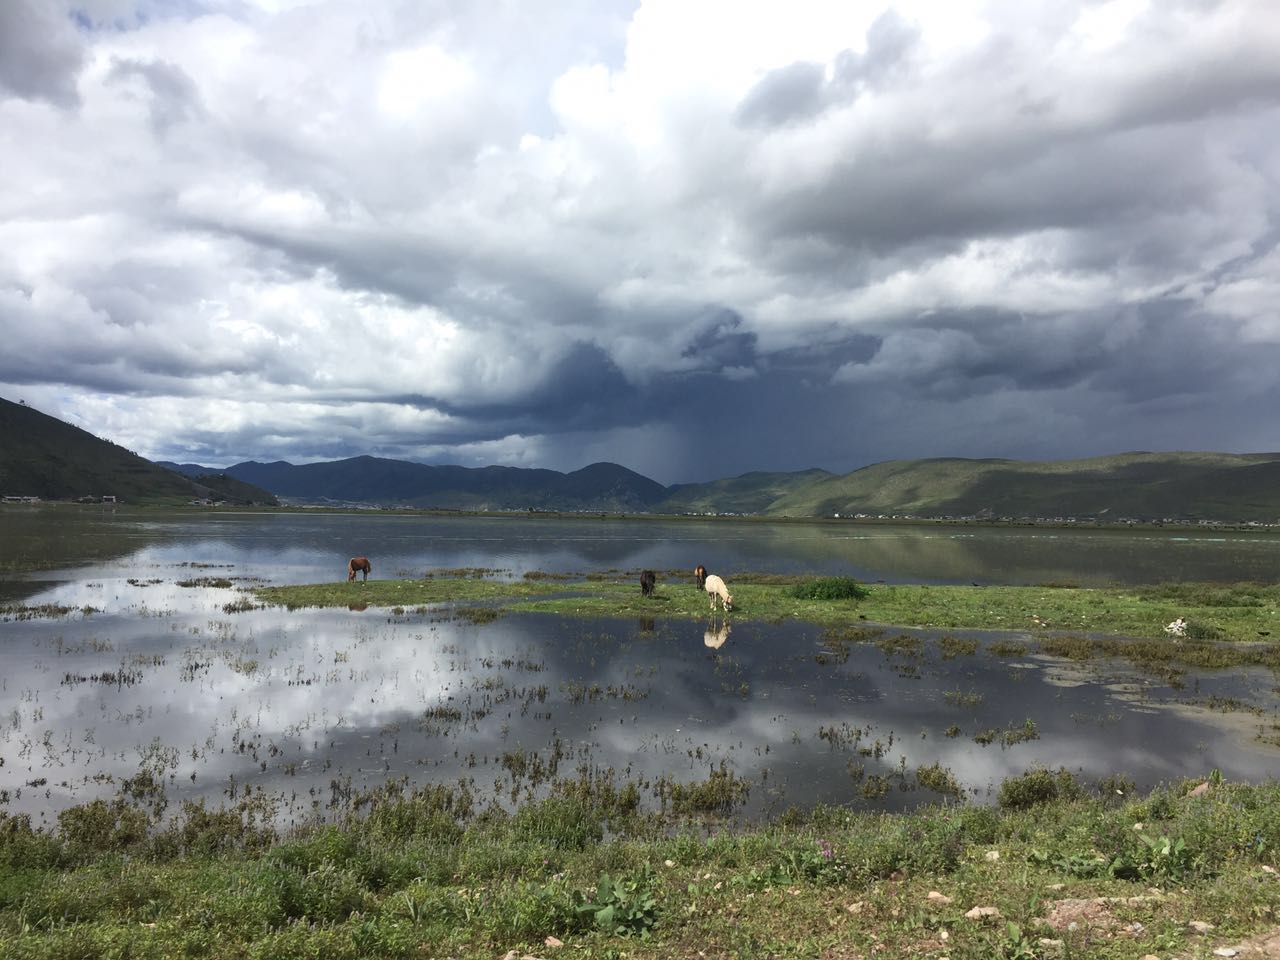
(1131, 486)
(600, 486)
(44, 457)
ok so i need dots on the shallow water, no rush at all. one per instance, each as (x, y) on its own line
(306, 548)
(311, 704)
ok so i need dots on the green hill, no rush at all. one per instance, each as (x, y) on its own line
(1144, 486)
(748, 493)
(41, 456)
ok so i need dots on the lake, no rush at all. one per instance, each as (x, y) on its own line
(311, 706)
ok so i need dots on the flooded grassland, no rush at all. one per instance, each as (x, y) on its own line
(211, 679)
(212, 745)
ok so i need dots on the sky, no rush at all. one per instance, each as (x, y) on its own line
(694, 238)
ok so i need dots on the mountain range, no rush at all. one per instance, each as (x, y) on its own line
(1129, 486)
(45, 457)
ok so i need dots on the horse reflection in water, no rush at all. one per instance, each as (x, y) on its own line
(358, 565)
(716, 634)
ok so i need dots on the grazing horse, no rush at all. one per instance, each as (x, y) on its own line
(647, 579)
(718, 590)
(358, 565)
(700, 576)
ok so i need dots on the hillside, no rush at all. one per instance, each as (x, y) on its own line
(1147, 486)
(42, 456)
(749, 493)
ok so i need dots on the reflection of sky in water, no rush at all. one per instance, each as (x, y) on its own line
(293, 700)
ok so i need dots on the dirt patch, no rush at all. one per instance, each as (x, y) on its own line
(1094, 913)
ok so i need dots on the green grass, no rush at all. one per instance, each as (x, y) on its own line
(406, 593)
(830, 588)
(427, 873)
(1237, 613)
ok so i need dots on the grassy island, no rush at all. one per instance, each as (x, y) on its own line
(1225, 624)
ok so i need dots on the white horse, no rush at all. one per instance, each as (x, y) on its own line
(717, 590)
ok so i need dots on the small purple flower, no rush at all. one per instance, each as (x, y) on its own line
(828, 851)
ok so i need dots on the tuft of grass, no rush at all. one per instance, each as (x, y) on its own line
(1038, 786)
(953, 647)
(830, 588)
(721, 792)
(939, 779)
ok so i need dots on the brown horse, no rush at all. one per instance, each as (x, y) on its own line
(357, 565)
(700, 576)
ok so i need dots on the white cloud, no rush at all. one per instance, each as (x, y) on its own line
(433, 212)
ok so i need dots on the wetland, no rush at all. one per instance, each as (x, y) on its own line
(224, 654)
(212, 745)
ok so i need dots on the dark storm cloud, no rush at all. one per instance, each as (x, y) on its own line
(723, 344)
(584, 390)
(40, 54)
(935, 198)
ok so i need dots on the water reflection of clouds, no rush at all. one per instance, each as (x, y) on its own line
(316, 695)
(150, 595)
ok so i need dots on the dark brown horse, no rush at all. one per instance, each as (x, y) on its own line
(700, 575)
(647, 580)
(358, 565)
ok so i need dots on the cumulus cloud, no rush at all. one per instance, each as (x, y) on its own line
(476, 233)
(40, 54)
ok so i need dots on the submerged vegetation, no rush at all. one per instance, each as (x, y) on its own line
(429, 872)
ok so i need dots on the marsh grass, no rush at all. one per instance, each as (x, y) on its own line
(939, 779)
(722, 792)
(219, 582)
(405, 593)
(1241, 612)
(953, 647)
(425, 871)
(43, 611)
